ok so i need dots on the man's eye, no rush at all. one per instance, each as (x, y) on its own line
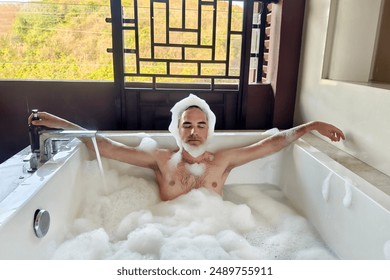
(201, 125)
(186, 126)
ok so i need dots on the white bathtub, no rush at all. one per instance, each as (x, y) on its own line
(351, 215)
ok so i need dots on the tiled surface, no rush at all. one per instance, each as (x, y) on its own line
(368, 173)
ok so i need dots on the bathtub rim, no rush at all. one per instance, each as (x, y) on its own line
(364, 186)
(316, 154)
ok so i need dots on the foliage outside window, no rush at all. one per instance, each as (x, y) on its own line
(68, 39)
(55, 40)
(179, 41)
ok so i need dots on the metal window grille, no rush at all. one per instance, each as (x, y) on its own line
(197, 42)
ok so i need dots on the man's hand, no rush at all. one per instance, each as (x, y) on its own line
(330, 131)
(49, 120)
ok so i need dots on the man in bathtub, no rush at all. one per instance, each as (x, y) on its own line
(192, 166)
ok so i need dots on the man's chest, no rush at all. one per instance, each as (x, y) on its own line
(188, 176)
(183, 176)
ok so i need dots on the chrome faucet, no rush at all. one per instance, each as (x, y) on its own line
(48, 140)
(44, 141)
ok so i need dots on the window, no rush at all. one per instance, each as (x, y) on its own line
(176, 41)
(55, 40)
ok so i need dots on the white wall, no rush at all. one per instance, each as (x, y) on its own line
(361, 111)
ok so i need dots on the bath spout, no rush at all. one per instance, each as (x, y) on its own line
(46, 138)
(34, 134)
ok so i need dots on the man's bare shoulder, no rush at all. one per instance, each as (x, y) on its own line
(226, 153)
(230, 156)
(164, 153)
(219, 157)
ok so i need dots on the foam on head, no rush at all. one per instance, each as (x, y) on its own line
(178, 109)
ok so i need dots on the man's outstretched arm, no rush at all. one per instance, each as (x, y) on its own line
(277, 142)
(107, 147)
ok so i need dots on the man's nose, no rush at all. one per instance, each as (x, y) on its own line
(193, 131)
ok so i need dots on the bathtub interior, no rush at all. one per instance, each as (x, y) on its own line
(338, 211)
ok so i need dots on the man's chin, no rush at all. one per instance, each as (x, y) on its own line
(195, 150)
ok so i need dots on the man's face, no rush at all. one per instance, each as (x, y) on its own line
(193, 127)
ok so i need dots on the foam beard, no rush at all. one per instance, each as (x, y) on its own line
(195, 151)
(177, 110)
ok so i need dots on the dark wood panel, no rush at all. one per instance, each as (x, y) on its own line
(150, 110)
